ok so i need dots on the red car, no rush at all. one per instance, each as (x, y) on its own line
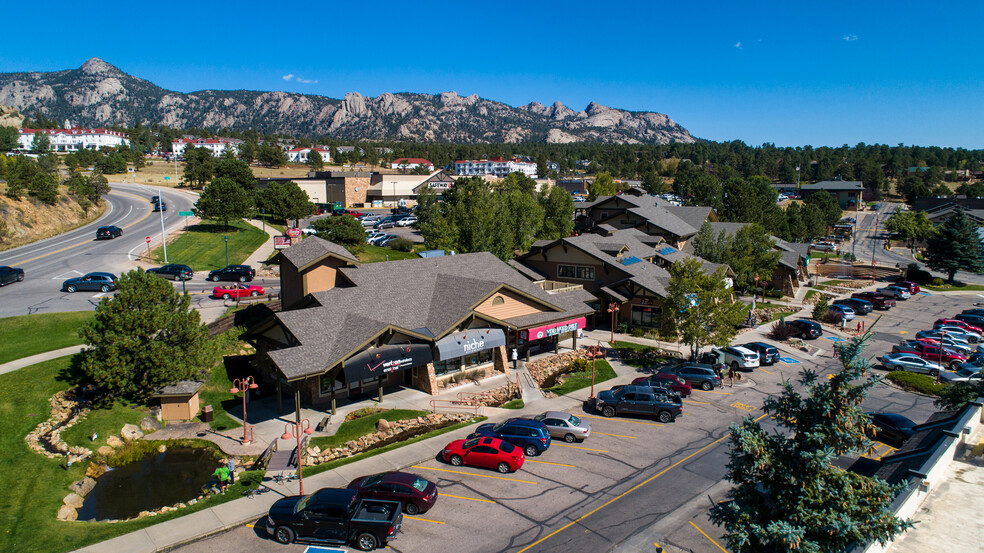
(238, 290)
(961, 324)
(417, 494)
(912, 287)
(485, 452)
(667, 380)
(930, 352)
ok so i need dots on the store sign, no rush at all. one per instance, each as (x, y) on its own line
(294, 232)
(381, 361)
(281, 242)
(555, 329)
(460, 344)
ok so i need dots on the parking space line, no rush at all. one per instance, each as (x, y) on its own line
(621, 420)
(423, 519)
(768, 372)
(715, 392)
(468, 498)
(695, 401)
(616, 435)
(743, 406)
(473, 474)
(708, 537)
(549, 463)
(582, 448)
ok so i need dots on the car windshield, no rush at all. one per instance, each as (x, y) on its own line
(303, 503)
(470, 443)
(372, 480)
(498, 427)
(419, 484)
(574, 420)
(540, 417)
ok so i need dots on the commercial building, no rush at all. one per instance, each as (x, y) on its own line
(847, 193)
(73, 139)
(347, 188)
(215, 145)
(394, 190)
(496, 166)
(649, 214)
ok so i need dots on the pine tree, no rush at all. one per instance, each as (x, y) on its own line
(956, 247)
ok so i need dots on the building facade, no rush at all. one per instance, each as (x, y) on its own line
(215, 145)
(410, 163)
(73, 139)
(496, 166)
(300, 155)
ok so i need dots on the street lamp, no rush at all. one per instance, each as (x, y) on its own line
(227, 249)
(613, 309)
(939, 370)
(244, 384)
(594, 356)
(301, 426)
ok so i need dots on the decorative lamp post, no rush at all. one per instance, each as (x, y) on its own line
(594, 356)
(227, 249)
(940, 369)
(244, 384)
(301, 426)
(613, 309)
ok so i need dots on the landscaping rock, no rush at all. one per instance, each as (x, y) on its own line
(148, 424)
(84, 486)
(161, 448)
(73, 500)
(105, 451)
(67, 513)
(95, 470)
(131, 432)
(382, 425)
(114, 441)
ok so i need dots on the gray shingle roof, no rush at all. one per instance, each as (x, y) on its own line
(682, 221)
(180, 388)
(850, 185)
(312, 249)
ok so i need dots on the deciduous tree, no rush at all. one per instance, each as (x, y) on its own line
(224, 199)
(750, 254)
(699, 308)
(558, 214)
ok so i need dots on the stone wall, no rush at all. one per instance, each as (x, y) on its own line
(385, 431)
(542, 369)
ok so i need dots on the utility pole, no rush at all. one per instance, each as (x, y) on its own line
(160, 205)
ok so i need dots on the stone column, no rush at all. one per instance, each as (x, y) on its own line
(424, 379)
(500, 360)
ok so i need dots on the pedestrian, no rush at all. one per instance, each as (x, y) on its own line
(859, 327)
(222, 473)
(231, 465)
(731, 377)
(515, 359)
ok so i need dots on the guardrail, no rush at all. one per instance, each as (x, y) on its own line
(264, 457)
(455, 405)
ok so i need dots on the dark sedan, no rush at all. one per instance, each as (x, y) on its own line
(102, 282)
(892, 426)
(10, 274)
(108, 233)
(415, 493)
(173, 271)
(808, 330)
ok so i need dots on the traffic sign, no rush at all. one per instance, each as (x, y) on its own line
(186, 213)
(147, 240)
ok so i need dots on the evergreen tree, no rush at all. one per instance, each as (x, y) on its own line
(9, 139)
(315, 161)
(956, 247)
(710, 246)
(199, 166)
(286, 201)
(237, 170)
(41, 143)
(346, 231)
(224, 199)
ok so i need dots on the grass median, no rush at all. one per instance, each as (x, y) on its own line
(582, 379)
(27, 335)
(375, 254)
(203, 247)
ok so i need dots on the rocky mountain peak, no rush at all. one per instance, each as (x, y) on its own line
(594, 108)
(95, 66)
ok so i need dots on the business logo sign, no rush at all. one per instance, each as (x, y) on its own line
(281, 242)
(555, 329)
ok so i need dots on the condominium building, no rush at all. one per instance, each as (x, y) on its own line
(496, 166)
(216, 145)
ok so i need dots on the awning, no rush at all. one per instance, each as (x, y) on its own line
(553, 329)
(613, 294)
(382, 361)
(460, 344)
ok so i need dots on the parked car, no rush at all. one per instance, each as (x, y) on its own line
(386, 222)
(309, 231)
(108, 232)
(878, 300)
(823, 246)
(738, 357)
(909, 362)
(565, 426)
(699, 375)
(930, 352)
(892, 426)
(662, 394)
(971, 319)
(958, 323)
(768, 355)
(417, 494)
(636, 400)
(844, 311)
(665, 381)
(10, 274)
(975, 311)
(103, 282)
(966, 372)
(484, 452)
(173, 271)
(530, 435)
(808, 330)
(238, 290)
(407, 221)
(969, 335)
(370, 220)
(896, 292)
(860, 307)
(962, 348)
(335, 515)
(384, 240)
(242, 273)
(912, 287)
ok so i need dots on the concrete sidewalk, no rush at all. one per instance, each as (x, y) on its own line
(46, 356)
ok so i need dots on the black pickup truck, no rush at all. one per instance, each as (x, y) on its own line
(335, 515)
(637, 400)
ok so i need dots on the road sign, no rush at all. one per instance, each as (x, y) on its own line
(147, 240)
(186, 213)
(167, 178)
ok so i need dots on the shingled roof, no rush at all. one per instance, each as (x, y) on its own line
(310, 250)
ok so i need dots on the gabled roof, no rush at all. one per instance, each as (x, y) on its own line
(411, 161)
(682, 221)
(835, 185)
(311, 250)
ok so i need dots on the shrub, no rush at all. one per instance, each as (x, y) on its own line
(937, 281)
(578, 365)
(917, 275)
(638, 332)
(914, 382)
(781, 332)
(832, 317)
(622, 328)
(820, 308)
(774, 294)
(401, 244)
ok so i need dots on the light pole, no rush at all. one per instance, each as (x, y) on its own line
(227, 249)
(160, 205)
(394, 194)
(263, 218)
(301, 426)
(942, 337)
(797, 177)
(594, 357)
(613, 309)
(244, 384)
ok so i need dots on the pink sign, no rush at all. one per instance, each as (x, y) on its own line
(554, 329)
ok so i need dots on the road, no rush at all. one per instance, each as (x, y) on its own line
(47, 263)
(633, 484)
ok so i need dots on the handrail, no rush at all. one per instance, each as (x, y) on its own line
(454, 405)
(267, 454)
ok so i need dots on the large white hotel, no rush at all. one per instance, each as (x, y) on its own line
(73, 139)
(495, 166)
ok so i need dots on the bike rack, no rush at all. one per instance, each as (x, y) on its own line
(455, 405)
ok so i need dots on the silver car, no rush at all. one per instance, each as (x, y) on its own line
(965, 373)
(565, 426)
(909, 362)
(896, 292)
(967, 335)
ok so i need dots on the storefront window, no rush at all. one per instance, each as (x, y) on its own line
(646, 316)
(576, 272)
(325, 384)
(461, 363)
(447, 366)
(479, 358)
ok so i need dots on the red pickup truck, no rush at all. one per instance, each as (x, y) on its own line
(930, 352)
(876, 299)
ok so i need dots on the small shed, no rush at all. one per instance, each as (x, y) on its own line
(179, 401)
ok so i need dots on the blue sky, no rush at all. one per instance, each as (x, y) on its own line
(790, 73)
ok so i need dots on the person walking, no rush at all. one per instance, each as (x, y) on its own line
(231, 465)
(222, 473)
(731, 377)
(515, 359)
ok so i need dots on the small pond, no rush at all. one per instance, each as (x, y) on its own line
(157, 480)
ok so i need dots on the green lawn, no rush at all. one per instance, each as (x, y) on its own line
(513, 404)
(630, 345)
(373, 254)
(35, 485)
(579, 380)
(834, 282)
(216, 393)
(353, 430)
(202, 247)
(959, 286)
(27, 335)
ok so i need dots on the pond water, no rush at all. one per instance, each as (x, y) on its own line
(155, 481)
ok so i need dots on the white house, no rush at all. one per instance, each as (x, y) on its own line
(216, 145)
(73, 139)
(495, 166)
(410, 163)
(300, 155)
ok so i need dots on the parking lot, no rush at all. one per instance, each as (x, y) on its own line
(634, 483)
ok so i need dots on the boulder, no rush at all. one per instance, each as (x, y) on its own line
(161, 448)
(131, 432)
(84, 486)
(114, 441)
(383, 425)
(105, 450)
(95, 470)
(149, 424)
(73, 500)
(67, 513)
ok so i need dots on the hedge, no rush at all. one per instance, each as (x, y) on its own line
(915, 382)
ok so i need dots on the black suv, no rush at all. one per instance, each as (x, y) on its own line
(861, 307)
(531, 435)
(698, 375)
(108, 233)
(806, 329)
(768, 355)
(637, 400)
(242, 273)
(173, 271)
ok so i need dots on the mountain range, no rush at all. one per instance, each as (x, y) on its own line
(99, 94)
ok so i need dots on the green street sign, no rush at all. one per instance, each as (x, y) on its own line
(186, 213)
(167, 178)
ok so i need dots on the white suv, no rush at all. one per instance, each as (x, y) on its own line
(737, 357)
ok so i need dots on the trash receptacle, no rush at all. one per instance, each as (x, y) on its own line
(207, 413)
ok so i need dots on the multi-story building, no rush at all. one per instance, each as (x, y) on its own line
(496, 166)
(73, 139)
(216, 145)
(300, 155)
(410, 163)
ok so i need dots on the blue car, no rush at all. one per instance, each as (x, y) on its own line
(531, 435)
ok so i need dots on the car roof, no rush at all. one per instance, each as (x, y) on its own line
(335, 495)
(895, 418)
(741, 349)
(524, 422)
(556, 415)
(99, 273)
